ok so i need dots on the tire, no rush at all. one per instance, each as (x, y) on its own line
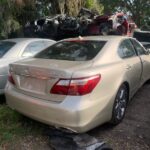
(120, 105)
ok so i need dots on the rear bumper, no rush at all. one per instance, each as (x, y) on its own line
(3, 80)
(72, 114)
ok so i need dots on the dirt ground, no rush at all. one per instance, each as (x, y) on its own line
(132, 134)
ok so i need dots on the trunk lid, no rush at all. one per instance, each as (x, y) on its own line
(36, 77)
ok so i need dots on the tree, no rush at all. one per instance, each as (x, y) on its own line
(16, 13)
(94, 5)
(48, 7)
(7, 21)
(70, 7)
(139, 9)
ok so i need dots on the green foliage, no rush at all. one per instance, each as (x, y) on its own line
(16, 13)
(8, 22)
(110, 6)
(139, 9)
(9, 123)
(94, 5)
(8, 26)
(13, 125)
(89, 4)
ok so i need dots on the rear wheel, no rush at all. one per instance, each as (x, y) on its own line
(120, 105)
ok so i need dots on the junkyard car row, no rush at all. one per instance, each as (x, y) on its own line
(79, 83)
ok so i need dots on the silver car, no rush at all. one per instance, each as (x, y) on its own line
(14, 49)
(79, 83)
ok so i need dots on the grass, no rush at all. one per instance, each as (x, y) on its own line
(14, 126)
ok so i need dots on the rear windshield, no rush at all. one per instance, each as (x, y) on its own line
(5, 47)
(72, 50)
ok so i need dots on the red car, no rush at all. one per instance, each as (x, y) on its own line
(111, 24)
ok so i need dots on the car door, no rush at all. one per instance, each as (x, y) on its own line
(132, 64)
(145, 59)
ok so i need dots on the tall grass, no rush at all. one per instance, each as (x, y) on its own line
(14, 125)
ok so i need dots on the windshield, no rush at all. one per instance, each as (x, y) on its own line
(5, 46)
(72, 50)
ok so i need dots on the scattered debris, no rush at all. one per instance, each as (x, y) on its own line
(60, 140)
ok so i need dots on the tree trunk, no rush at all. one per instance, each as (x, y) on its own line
(70, 7)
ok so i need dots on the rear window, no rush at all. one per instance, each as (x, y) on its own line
(5, 47)
(72, 50)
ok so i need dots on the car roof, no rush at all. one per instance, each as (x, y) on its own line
(99, 38)
(18, 40)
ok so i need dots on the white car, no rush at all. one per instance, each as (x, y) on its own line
(12, 50)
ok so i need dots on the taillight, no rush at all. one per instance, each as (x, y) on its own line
(10, 79)
(77, 86)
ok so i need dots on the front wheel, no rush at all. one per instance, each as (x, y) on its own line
(120, 105)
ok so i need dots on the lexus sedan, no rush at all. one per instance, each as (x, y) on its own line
(79, 83)
(12, 50)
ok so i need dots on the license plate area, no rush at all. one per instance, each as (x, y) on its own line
(31, 84)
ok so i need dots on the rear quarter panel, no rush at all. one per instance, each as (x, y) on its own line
(112, 76)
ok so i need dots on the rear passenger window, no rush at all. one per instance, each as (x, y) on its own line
(140, 50)
(33, 48)
(126, 49)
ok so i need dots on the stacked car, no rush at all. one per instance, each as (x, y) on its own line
(85, 23)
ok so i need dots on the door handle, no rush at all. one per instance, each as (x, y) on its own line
(128, 67)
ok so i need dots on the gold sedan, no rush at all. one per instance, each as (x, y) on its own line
(79, 83)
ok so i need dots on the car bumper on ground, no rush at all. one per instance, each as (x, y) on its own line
(3, 80)
(75, 116)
